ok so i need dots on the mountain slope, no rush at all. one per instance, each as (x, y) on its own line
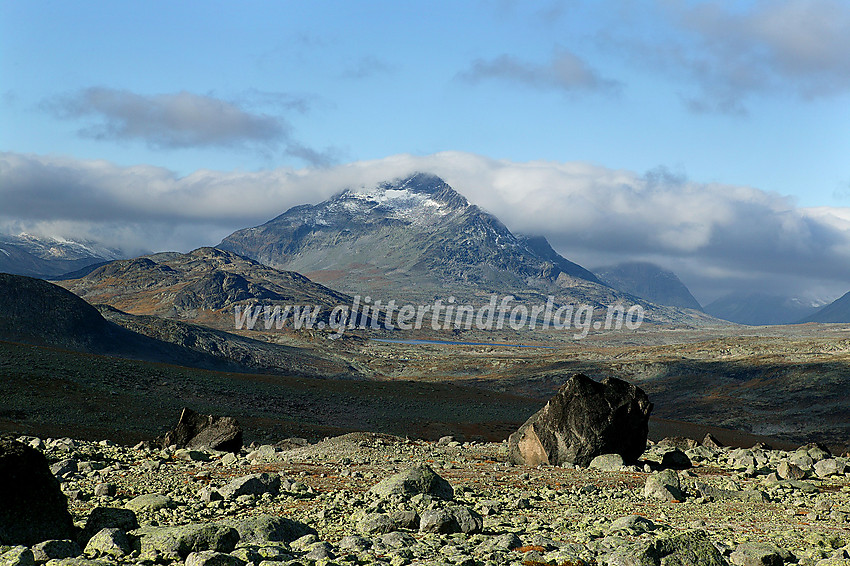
(650, 282)
(203, 285)
(836, 311)
(41, 313)
(48, 257)
(758, 309)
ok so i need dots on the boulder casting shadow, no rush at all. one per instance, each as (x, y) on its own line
(583, 420)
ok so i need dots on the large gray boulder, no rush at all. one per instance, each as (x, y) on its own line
(194, 430)
(419, 479)
(32, 507)
(168, 544)
(583, 420)
(259, 529)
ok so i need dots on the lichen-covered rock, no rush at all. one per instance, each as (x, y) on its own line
(456, 519)
(419, 479)
(259, 529)
(108, 542)
(108, 518)
(252, 484)
(176, 543)
(583, 420)
(664, 485)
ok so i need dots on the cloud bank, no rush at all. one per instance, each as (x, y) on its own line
(717, 237)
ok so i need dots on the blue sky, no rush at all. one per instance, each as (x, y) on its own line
(750, 96)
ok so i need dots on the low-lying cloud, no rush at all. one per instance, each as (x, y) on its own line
(717, 237)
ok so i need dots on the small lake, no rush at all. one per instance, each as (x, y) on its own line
(450, 343)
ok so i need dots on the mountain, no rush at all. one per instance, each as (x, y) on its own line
(759, 309)
(836, 311)
(417, 239)
(203, 286)
(411, 234)
(650, 282)
(540, 246)
(49, 257)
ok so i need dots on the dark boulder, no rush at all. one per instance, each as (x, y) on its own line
(204, 431)
(32, 507)
(584, 419)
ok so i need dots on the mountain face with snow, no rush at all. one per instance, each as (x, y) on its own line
(649, 281)
(416, 238)
(836, 311)
(49, 257)
(414, 233)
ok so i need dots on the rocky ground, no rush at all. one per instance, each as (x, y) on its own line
(338, 502)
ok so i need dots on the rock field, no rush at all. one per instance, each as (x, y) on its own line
(366, 498)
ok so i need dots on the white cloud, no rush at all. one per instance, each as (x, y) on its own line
(185, 120)
(717, 237)
(565, 71)
(731, 52)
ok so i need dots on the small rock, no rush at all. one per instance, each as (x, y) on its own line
(376, 523)
(756, 554)
(664, 485)
(212, 558)
(457, 519)
(607, 462)
(17, 556)
(109, 542)
(149, 502)
(55, 549)
(253, 484)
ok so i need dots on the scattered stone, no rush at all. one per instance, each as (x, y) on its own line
(108, 542)
(17, 556)
(55, 549)
(108, 518)
(203, 431)
(828, 467)
(63, 467)
(376, 523)
(676, 460)
(607, 462)
(634, 524)
(176, 543)
(584, 419)
(212, 558)
(149, 502)
(260, 529)
(664, 485)
(457, 519)
(419, 479)
(788, 471)
(710, 441)
(717, 494)
(756, 554)
(253, 484)
(32, 507)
